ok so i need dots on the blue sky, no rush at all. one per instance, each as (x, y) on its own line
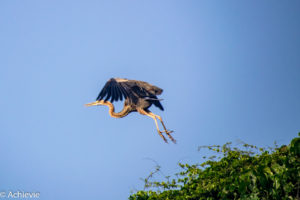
(230, 71)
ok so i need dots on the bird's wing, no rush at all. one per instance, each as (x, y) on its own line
(143, 89)
(114, 91)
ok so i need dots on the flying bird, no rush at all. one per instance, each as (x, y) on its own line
(138, 95)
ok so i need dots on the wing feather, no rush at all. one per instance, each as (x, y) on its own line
(123, 91)
(119, 94)
(102, 93)
(113, 91)
(108, 93)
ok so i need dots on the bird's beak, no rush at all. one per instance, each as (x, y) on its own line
(96, 103)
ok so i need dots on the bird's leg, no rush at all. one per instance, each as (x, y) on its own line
(167, 132)
(143, 112)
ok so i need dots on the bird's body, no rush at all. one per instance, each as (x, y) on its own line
(138, 95)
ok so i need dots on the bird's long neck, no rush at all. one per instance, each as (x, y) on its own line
(125, 111)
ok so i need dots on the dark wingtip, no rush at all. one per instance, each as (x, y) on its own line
(158, 104)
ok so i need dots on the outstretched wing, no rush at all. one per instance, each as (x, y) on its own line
(144, 90)
(114, 91)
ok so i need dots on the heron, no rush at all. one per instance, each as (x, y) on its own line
(138, 97)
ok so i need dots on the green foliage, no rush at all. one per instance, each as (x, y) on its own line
(246, 173)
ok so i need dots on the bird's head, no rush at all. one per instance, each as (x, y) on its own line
(96, 103)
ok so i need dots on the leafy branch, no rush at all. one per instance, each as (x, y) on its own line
(232, 172)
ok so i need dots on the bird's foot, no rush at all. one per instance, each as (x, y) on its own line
(168, 134)
(162, 136)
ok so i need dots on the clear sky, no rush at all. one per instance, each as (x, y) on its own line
(230, 71)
